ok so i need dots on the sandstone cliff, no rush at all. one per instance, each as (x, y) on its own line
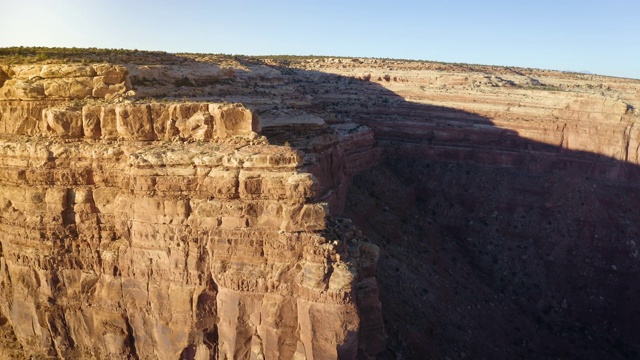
(159, 205)
(172, 229)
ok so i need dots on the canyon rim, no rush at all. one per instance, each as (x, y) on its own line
(193, 206)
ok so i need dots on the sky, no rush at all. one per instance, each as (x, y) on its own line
(601, 37)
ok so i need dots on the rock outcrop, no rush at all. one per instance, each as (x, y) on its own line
(173, 230)
(62, 82)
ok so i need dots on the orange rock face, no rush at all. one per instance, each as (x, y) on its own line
(168, 230)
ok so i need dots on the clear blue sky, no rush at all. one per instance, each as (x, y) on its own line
(602, 36)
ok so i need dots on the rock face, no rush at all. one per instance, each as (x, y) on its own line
(504, 209)
(189, 207)
(173, 230)
(61, 82)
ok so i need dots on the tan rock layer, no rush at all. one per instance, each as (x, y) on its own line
(128, 121)
(61, 81)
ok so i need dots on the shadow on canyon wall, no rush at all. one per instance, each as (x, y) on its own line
(492, 245)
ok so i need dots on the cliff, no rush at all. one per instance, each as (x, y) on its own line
(153, 229)
(210, 206)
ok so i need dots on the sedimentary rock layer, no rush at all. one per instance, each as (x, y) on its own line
(62, 82)
(127, 121)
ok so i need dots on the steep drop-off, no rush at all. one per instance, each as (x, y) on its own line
(144, 229)
(503, 208)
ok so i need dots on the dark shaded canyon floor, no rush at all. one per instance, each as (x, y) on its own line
(495, 263)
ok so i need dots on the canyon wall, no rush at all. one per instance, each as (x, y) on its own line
(149, 229)
(190, 206)
(507, 117)
(505, 208)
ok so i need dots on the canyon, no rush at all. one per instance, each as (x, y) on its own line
(199, 206)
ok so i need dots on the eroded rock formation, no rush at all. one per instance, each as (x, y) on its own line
(188, 206)
(167, 230)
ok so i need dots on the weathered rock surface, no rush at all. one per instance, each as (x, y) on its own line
(61, 81)
(173, 230)
(151, 220)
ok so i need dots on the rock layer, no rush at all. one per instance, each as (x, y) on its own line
(62, 82)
